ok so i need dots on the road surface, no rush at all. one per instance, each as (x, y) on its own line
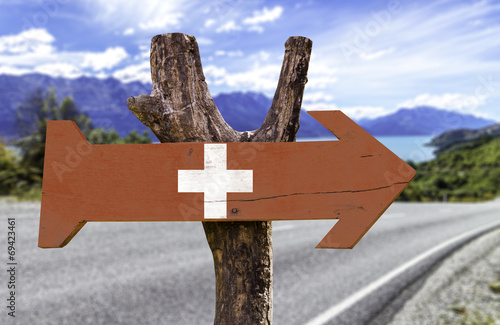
(162, 273)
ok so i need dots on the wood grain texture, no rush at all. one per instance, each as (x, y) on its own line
(354, 179)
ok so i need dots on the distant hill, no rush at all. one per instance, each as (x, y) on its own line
(422, 120)
(105, 101)
(471, 173)
(458, 139)
(245, 111)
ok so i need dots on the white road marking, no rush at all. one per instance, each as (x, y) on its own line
(336, 310)
(215, 181)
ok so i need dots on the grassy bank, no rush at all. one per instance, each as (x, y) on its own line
(469, 174)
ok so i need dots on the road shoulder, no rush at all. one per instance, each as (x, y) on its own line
(457, 291)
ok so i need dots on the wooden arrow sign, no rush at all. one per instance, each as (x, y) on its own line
(354, 179)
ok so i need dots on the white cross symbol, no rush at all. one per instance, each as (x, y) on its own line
(215, 181)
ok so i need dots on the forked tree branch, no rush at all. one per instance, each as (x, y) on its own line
(180, 109)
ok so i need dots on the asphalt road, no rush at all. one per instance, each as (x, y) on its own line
(162, 273)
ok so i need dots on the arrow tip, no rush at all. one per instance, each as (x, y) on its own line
(389, 177)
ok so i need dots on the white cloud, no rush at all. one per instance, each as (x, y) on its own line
(214, 72)
(209, 23)
(319, 106)
(455, 101)
(322, 74)
(321, 80)
(227, 27)
(33, 51)
(104, 60)
(256, 28)
(15, 71)
(151, 15)
(31, 40)
(204, 41)
(229, 53)
(158, 23)
(320, 101)
(259, 78)
(66, 70)
(264, 16)
(316, 97)
(27, 50)
(264, 56)
(376, 55)
(353, 112)
(129, 31)
(137, 72)
(359, 112)
(253, 23)
(144, 53)
(257, 71)
(263, 78)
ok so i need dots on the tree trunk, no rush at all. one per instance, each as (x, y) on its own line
(180, 109)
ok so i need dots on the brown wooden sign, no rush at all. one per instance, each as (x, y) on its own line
(354, 179)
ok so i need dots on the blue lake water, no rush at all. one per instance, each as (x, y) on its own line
(406, 147)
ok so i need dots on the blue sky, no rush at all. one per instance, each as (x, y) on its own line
(369, 57)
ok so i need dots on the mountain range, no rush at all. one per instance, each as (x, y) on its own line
(422, 120)
(105, 101)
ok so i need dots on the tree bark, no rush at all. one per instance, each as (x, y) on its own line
(181, 109)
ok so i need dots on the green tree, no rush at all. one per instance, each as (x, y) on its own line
(20, 175)
(9, 170)
(101, 136)
(136, 138)
(32, 116)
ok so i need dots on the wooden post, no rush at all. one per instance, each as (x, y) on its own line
(181, 109)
